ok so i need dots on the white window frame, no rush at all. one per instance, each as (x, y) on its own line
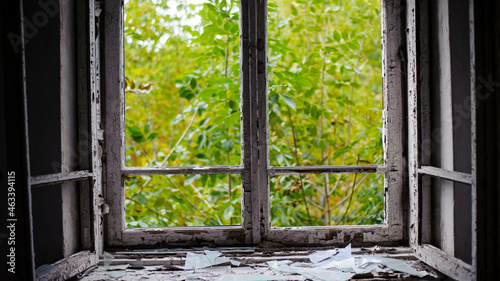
(88, 175)
(255, 169)
(419, 149)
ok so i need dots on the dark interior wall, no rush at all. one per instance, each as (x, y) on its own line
(13, 155)
(461, 115)
(487, 53)
(42, 25)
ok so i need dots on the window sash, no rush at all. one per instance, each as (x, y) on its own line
(419, 129)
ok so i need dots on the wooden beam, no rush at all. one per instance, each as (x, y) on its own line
(273, 171)
(442, 261)
(262, 134)
(334, 235)
(184, 236)
(71, 266)
(59, 178)
(445, 174)
(424, 119)
(393, 112)
(130, 171)
(413, 124)
(114, 114)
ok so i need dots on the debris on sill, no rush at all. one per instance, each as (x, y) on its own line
(45, 269)
(329, 265)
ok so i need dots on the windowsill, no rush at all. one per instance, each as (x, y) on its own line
(251, 256)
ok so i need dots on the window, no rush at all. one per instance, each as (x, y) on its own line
(260, 167)
(442, 107)
(440, 69)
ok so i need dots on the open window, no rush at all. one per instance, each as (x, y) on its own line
(256, 115)
(442, 135)
(56, 174)
(66, 162)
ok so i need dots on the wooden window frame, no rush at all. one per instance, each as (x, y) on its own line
(255, 169)
(87, 99)
(419, 151)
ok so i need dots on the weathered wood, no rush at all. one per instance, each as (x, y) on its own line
(246, 137)
(474, 194)
(71, 266)
(95, 104)
(334, 235)
(254, 120)
(114, 118)
(273, 171)
(130, 171)
(393, 81)
(445, 263)
(59, 178)
(424, 120)
(84, 145)
(445, 174)
(413, 124)
(262, 136)
(185, 236)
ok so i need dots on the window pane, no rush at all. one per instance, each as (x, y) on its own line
(183, 200)
(325, 83)
(331, 199)
(182, 73)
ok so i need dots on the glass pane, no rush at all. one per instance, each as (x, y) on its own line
(325, 82)
(182, 73)
(183, 200)
(330, 199)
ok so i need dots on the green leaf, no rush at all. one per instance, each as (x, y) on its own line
(345, 36)
(227, 145)
(303, 81)
(193, 83)
(289, 102)
(274, 99)
(336, 36)
(294, 10)
(280, 158)
(152, 136)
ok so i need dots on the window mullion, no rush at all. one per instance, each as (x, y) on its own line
(263, 116)
(247, 178)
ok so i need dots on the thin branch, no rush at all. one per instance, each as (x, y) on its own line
(341, 202)
(326, 186)
(351, 97)
(145, 151)
(185, 197)
(151, 210)
(298, 163)
(180, 139)
(352, 195)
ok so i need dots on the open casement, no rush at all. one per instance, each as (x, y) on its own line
(442, 132)
(255, 169)
(65, 178)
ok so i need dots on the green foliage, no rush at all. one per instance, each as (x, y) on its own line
(183, 109)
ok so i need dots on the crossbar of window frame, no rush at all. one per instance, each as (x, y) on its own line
(60, 178)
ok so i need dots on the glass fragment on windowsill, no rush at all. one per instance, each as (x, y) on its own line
(45, 269)
(258, 277)
(394, 264)
(208, 259)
